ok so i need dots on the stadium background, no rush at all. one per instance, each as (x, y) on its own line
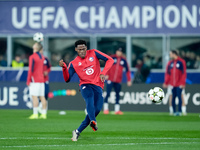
(141, 28)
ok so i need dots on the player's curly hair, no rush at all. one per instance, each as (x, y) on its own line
(80, 42)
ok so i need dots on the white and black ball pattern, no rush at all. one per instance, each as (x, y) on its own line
(156, 95)
(38, 37)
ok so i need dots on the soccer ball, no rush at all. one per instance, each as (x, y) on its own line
(38, 37)
(156, 95)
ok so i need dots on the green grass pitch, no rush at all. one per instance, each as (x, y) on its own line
(133, 130)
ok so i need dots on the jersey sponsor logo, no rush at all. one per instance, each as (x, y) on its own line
(79, 63)
(91, 59)
(89, 70)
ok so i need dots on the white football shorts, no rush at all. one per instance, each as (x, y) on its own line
(169, 90)
(36, 89)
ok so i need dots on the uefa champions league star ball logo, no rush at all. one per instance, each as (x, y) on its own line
(26, 98)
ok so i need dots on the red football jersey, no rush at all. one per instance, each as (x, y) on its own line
(36, 68)
(116, 71)
(176, 72)
(88, 68)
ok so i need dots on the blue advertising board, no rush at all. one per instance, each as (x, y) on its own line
(66, 96)
(129, 16)
(14, 95)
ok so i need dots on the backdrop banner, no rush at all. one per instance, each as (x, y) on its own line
(103, 16)
(64, 96)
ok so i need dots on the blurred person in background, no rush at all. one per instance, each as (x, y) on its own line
(35, 81)
(55, 58)
(3, 62)
(114, 79)
(17, 62)
(67, 58)
(190, 60)
(143, 69)
(169, 92)
(175, 76)
(146, 67)
(47, 69)
(183, 108)
(137, 75)
(197, 63)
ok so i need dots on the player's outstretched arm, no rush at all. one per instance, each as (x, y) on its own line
(31, 60)
(61, 63)
(67, 72)
(64, 69)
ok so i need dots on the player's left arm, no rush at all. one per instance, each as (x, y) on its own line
(109, 61)
(167, 75)
(48, 64)
(128, 73)
(31, 69)
(67, 72)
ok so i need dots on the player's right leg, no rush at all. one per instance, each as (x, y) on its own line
(93, 125)
(75, 135)
(43, 100)
(98, 104)
(35, 108)
(170, 105)
(184, 112)
(108, 90)
(88, 95)
(169, 92)
(179, 91)
(46, 92)
(174, 94)
(33, 91)
(44, 110)
(117, 87)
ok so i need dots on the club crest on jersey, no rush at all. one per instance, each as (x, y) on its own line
(121, 62)
(91, 59)
(45, 61)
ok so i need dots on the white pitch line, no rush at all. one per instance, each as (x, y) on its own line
(120, 138)
(125, 144)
